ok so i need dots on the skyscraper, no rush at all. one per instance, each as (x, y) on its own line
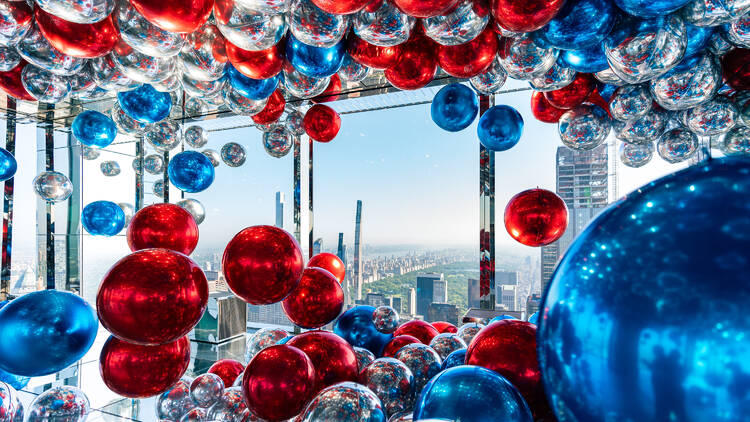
(396, 304)
(358, 251)
(426, 291)
(507, 297)
(473, 292)
(340, 250)
(280, 210)
(440, 291)
(317, 246)
(411, 301)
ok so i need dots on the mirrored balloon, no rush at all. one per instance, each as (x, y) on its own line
(460, 26)
(110, 77)
(233, 154)
(643, 130)
(195, 208)
(584, 127)
(523, 59)
(240, 104)
(196, 108)
(158, 188)
(43, 85)
(294, 123)
(351, 71)
(60, 404)
(213, 156)
(175, 402)
(9, 58)
(636, 155)
(738, 31)
(35, 49)
(714, 12)
(196, 137)
(88, 153)
(153, 164)
(302, 86)
(736, 141)
(16, 19)
(345, 401)
(555, 78)
(712, 118)
(164, 136)
(202, 89)
(387, 26)
(230, 407)
(630, 102)
(144, 36)
(110, 168)
(78, 11)
(125, 123)
(693, 82)
(249, 28)
(143, 68)
(491, 80)
(677, 145)
(278, 141)
(314, 27)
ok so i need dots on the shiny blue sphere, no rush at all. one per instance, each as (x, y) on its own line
(650, 8)
(8, 165)
(645, 318)
(589, 60)
(191, 171)
(45, 331)
(578, 25)
(454, 107)
(697, 38)
(145, 104)
(103, 218)
(534, 318)
(500, 128)
(315, 62)
(456, 358)
(357, 328)
(254, 89)
(471, 394)
(501, 318)
(94, 129)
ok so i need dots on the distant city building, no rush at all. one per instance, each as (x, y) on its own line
(358, 276)
(440, 292)
(507, 294)
(506, 277)
(375, 299)
(442, 312)
(272, 314)
(473, 292)
(341, 249)
(411, 301)
(532, 303)
(427, 284)
(280, 210)
(396, 304)
(317, 246)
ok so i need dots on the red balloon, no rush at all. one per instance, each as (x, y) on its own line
(482, 8)
(333, 358)
(10, 81)
(262, 264)
(341, 7)
(321, 123)
(526, 15)
(543, 110)
(574, 94)
(316, 301)
(735, 66)
(419, 329)
(175, 16)
(166, 226)
(153, 296)
(397, 343)
(330, 263)
(261, 64)
(469, 59)
(371, 55)
(536, 217)
(227, 369)
(278, 382)
(417, 63)
(444, 327)
(272, 111)
(136, 371)
(86, 41)
(332, 91)
(508, 347)
(425, 8)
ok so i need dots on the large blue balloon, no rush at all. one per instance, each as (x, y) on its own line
(94, 129)
(578, 25)
(315, 62)
(500, 128)
(645, 318)
(454, 107)
(145, 104)
(456, 358)
(103, 218)
(589, 60)
(8, 165)
(697, 38)
(191, 171)
(254, 89)
(356, 327)
(45, 331)
(471, 394)
(650, 8)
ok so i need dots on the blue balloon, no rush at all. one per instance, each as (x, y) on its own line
(650, 8)
(8, 165)
(94, 129)
(500, 128)
(254, 89)
(285, 339)
(45, 331)
(191, 171)
(16, 381)
(145, 104)
(534, 318)
(456, 358)
(454, 107)
(103, 218)
(471, 394)
(578, 25)
(645, 316)
(500, 318)
(589, 60)
(356, 327)
(697, 38)
(315, 62)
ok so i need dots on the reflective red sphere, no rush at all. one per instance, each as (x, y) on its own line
(77, 39)
(329, 262)
(135, 371)
(525, 15)
(261, 64)
(316, 301)
(166, 226)
(371, 55)
(471, 58)
(332, 91)
(227, 369)
(322, 123)
(341, 7)
(416, 65)
(333, 358)
(397, 343)
(272, 111)
(175, 16)
(262, 264)
(574, 94)
(736, 68)
(278, 382)
(543, 110)
(425, 8)
(536, 217)
(419, 329)
(444, 327)
(153, 296)
(10, 82)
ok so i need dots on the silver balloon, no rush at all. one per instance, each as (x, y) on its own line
(630, 102)
(158, 188)
(555, 78)
(302, 86)
(212, 156)
(196, 414)
(278, 141)
(712, 118)
(197, 58)
(688, 86)
(175, 402)
(11, 408)
(636, 155)
(491, 80)
(233, 154)
(736, 141)
(719, 45)
(608, 76)
(89, 153)
(457, 27)
(402, 417)
(265, 127)
(164, 136)
(643, 130)
(203, 89)
(78, 11)
(508, 33)
(13, 29)
(351, 71)
(195, 208)
(137, 166)
(294, 123)
(206, 389)
(230, 407)
(583, 128)
(523, 59)
(9, 58)
(268, 6)
(249, 28)
(153, 164)
(311, 25)
(109, 77)
(144, 36)
(714, 12)
(422, 360)
(392, 381)
(387, 26)
(125, 123)
(240, 104)
(43, 85)
(364, 358)
(677, 145)
(144, 68)
(738, 31)
(110, 168)
(345, 401)
(35, 49)
(446, 343)
(265, 337)
(196, 108)
(60, 404)
(83, 83)
(196, 137)
(385, 319)
(128, 210)
(468, 331)
(173, 85)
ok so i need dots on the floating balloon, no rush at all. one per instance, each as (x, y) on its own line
(385, 319)
(110, 168)
(446, 343)
(357, 327)
(352, 71)
(455, 358)
(469, 59)
(416, 64)
(630, 102)
(8, 166)
(77, 39)
(419, 329)
(145, 37)
(333, 358)
(166, 226)
(302, 86)
(643, 130)
(195, 208)
(261, 64)
(536, 217)
(371, 55)
(205, 59)
(523, 59)
(94, 129)
(11, 82)
(145, 104)
(346, 401)
(712, 118)
(459, 26)
(233, 154)
(425, 8)
(694, 81)
(330, 263)
(444, 327)
(229, 407)
(557, 77)
(316, 27)
(261, 339)
(64, 404)
(248, 27)
(227, 369)
(277, 142)
(212, 156)
(736, 141)
(191, 171)
(392, 381)
(315, 62)
(158, 188)
(636, 155)
(364, 358)
(572, 94)
(153, 164)
(468, 331)
(322, 123)
(584, 127)
(35, 48)
(316, 300)
(43, 85)
(386, 26)
(103, 218)
(206, 389)
(272, 111)
(423, 362)
(578, 25)
(52, 186)
(184, 17)
(491, 80)
(397, 343)
(173, 403)
(251, 88)
(500, 128)
(295, 123)
(543, 110)
(17, 19)
(454, 107)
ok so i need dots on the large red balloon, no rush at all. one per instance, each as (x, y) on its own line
(166, 226)
(573, 94)
(524, 15)
(175, 16)
(371, 55)
(261, 64)
(135, 371)
(321, 123)
(330, 263)
(10, 82)
(425, 8)
(736, 68)
(341, 7)
(536, 217)
(543, 110)
(153, 296)
(278, 382)
(316, 301)
(417, 63)
(333, 358)
(262, 264)
(444, 327)
(332, 91)
(471, 58)
(397, 343)
(86, 41)
(227, 369)
(272, 111)
(419, 329)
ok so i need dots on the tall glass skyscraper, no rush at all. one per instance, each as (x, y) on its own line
(358, 251)
(280, 210)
